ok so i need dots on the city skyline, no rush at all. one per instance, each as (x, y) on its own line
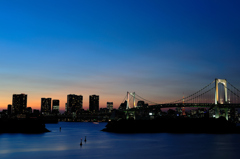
(158, 49)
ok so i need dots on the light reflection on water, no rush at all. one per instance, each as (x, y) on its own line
(65, 144)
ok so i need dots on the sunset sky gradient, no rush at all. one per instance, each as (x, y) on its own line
(159, 49)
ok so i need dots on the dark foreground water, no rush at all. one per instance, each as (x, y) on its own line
(65, 144)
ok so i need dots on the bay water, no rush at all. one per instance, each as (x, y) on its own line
(65, 144)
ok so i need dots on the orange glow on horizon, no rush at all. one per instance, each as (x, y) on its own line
(35, 102)
(34, 98)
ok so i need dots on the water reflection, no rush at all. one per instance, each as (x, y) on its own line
(66, 144)
(60, 148)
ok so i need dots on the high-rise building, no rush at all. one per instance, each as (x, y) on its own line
(36, 112)
(46, 106)
(110, 106)
(94, 103)
(74, 103)
(19, 103)
(140, 103)
(66, 108)
(28, 110)
(9, 109)
(55, 106)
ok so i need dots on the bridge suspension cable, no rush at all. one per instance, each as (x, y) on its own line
(233, 93)
(145, 99)
(177, 101)
(124, 99)
(233, 86)
(200, 95)
(234, 98)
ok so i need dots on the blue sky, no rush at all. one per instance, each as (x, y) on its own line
(159, 49)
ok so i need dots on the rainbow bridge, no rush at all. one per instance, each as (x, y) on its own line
(219, 95)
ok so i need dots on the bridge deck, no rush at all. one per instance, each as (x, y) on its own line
(206, 105)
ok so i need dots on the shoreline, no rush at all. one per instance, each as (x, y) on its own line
(28, 126)
(173, 125)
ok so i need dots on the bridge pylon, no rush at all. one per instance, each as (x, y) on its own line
(217, 110)
(133, 95)
(224, 82)
(127, 100)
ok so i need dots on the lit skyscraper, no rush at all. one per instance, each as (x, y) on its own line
(46, 106)
(94, 103)
(110, 106)
(55, 106)
(19, 103)
(74, 103)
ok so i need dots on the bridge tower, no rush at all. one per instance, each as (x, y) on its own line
(224, 82)
(133, 95)
(127, 100)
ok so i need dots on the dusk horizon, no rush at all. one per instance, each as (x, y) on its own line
(161, 50)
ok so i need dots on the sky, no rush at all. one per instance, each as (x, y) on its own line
(160, 49)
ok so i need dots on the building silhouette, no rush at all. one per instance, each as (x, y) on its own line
(74, 103)
(9, 109)
(66, 110)
(142, 104)
(94, 103)
(123, 106)
(36, 112)
(19, 103)
(28, 110)
(55, 106)
(110, 106)
(46, 106)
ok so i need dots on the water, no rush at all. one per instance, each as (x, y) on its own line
(65, 144)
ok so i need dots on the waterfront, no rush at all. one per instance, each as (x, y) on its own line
(65, 144)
